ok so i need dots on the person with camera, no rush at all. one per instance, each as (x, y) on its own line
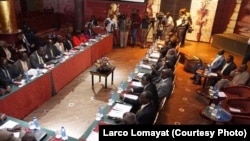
(135, 25)
(144, 29)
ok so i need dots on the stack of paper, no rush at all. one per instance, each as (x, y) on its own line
(152, 60)
(10, 124)
(118, 110)
(145, 66)
(155, 55)
(93, 136)
(140, 74)
(131, 96)
(136, 84)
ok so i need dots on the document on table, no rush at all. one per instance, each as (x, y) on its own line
(140, 74)
(9, 124)
(131, 96)
(155, 55)
(152, 60)
(136, 84)
(145, 66)
(93, 136)
(118, 110)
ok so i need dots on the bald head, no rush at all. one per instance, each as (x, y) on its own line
(129, 118)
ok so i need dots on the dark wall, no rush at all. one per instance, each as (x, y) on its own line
(224, 11)
(174, 6)
(99, 8)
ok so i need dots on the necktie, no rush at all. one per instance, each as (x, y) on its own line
(27, 44)
(51, 52)
(40, 60)
(6, 73)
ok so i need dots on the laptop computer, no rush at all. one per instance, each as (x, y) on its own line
(39, 134)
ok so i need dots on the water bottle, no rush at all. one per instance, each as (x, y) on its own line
(100, 111)
(36, 123)
(38, 71)
(63, 133)
(130, 77)
(113, 95)
(121, 87)
(219, 107)
(27, 77)
(136, 68)
(61, 58)
(209, 70)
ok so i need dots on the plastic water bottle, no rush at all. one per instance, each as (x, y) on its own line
(136, 68)
(121, 87)
(63, 133)
(38, 71)
(100, 111)
(36, 123)
(209, 70)
(113, 95)
(27, 77)
(61, 58)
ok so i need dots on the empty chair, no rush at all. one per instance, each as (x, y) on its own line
(240, 120)
(238, 106)
(237, 92)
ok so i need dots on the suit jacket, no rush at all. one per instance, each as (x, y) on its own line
(19, 67)
(4, 80)
(146, 115)
(67, 45)
(7, 136)
(34, 61)
(90, 33)
(218, 64)
(49, 56)
(229, 68)
(138, 90)
(164, 88)
(3, 54)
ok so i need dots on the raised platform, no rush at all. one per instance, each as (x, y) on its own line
(233, 43)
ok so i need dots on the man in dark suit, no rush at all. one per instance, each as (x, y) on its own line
(147, 84)
(7, 51)
(22, 65)
(68, 43)
(37, 58)
(51, 51)
(147, 112)
(90, 32)
(93, 21)
(7, 75)
(225, 71)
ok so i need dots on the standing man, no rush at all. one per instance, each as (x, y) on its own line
(135, 25)
(123, 24)
(144, 29)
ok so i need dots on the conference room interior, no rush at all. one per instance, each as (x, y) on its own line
(75, 105)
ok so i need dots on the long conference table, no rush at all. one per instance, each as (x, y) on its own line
(23, 100)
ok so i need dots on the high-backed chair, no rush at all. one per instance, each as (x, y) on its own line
(240, 106)
(237, 91)
(240, 120)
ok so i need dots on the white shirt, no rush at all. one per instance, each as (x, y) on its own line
(224, 67)
(216, 59)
